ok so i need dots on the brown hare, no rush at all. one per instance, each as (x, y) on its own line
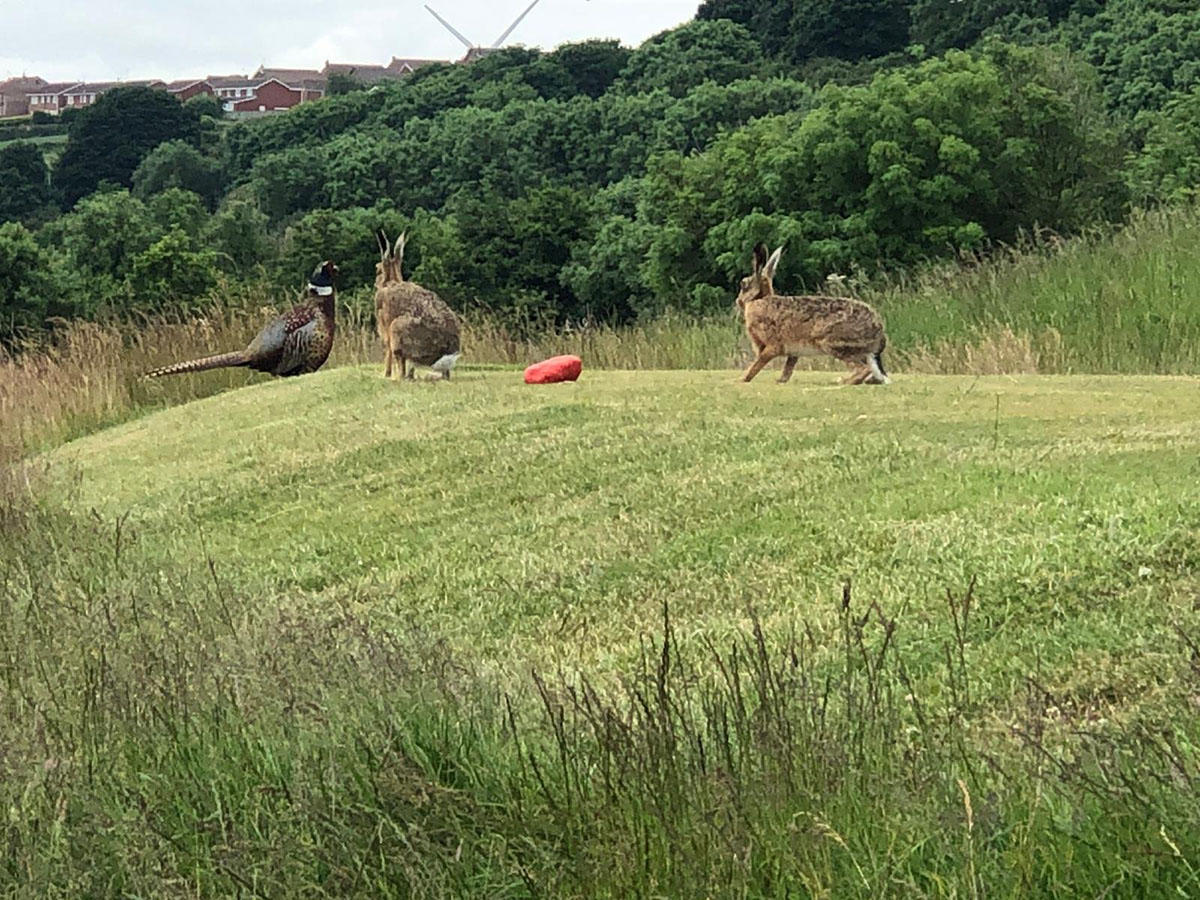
(778, 325)
(413, 322)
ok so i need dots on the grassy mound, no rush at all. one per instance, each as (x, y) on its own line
(1111, 303)
(935, 638)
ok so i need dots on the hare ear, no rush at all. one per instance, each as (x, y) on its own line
(760, 257)
(382, 242)
(772, 263)
(398, 250)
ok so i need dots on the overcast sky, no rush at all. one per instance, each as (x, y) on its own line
(102, 40)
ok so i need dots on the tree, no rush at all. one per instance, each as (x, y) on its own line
(291, 181)
(592, 66)
(210, 111)
(344, 235)
(1146, 55)
(692, 54)
(846, 29)
(924, 161)
(24, 181)
(1168, 167)
(940, 26)
(343, 83)
(205, 105)
(177, 210)
(109, 139)
(768, 20)
(102, 235)
(177, 164)
(309, 124)
(171, 272)
(513, 253)
(239, 234)
(606, 275)
(694, 121)
(25, 283)
(740, 11)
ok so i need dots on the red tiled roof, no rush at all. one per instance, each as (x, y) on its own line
(22, 85)
(224, 81)
(288, 76)
(397, 63)
(347, 68)
(184, 83)
(57, 87)
(365, 74)
(96, 87)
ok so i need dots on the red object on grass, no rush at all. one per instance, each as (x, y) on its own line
(554, 369)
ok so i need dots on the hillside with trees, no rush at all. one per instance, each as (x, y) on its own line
(658, 633)
(599, 181)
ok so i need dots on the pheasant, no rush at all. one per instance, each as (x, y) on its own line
(295, 343)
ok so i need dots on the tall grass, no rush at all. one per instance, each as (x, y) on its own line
(1122, 302)
(91, 374)
(1118, 303)
(161, 736)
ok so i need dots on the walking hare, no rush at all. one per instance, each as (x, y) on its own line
(413, 322)
(778, 325)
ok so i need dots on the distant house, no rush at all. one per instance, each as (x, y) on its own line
(186, 88)
(370, 74)
(14, 95)
(268, 96)
(363, 73)
(48, 97)
(308, 82)
(231, 88)
(54, 98)
(86, 93)
(408, 66)
(265, 91)
(477, 53)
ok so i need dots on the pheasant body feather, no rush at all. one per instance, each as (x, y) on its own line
(296, 343)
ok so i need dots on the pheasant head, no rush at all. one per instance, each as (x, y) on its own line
(321, 280)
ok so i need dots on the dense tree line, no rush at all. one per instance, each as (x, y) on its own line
(602, 181)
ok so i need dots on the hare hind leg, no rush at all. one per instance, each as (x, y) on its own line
(401, 361)
(878, 375)
(765, 355)
(789, 366)
(860, 369)
(866, 370)
(858, 375)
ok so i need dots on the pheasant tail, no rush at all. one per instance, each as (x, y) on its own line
(221, 361)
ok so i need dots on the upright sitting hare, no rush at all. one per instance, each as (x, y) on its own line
(413, 323)
(846, 329)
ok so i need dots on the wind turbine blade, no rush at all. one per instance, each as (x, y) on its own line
(450, 28)
(513, 26)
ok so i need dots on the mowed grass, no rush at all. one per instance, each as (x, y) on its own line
(335, 635)
(502, 515)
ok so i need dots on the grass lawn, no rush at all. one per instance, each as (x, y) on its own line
(52, 145)
(1024, 556)
(503, 515)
